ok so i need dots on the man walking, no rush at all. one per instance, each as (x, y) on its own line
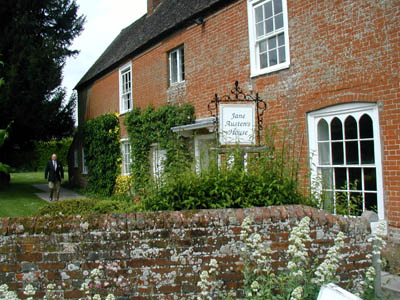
(54, 173)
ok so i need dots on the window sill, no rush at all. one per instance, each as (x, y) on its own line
(270, 70)
(125, 112)
(176, 84)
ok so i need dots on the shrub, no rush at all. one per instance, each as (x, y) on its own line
(83, 207)
(123, 185)
(44, 150)
(265, 181)
(102, 152)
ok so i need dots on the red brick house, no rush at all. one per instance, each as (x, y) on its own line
(329, 68)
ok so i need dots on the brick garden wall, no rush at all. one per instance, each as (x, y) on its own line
(165, 251)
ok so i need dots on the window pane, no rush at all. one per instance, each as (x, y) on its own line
(340, 178)
(278, 21)
(273, 59)
(336, 129)
(350, 126)
(342, 202)
(174, 67)
(371, 202)
(269, 25)
(327, 179)
(277, 6)
(263, 60)
(337, 153)
(281, 39)
(263, 46)
(272, 43)
(268, 10)
(327, 200)
(260, 29)
(352, 153)
(182, 52)
(259, 14)
(323, 153)
(366, 130)
(354, 179)
(367, 152)
(323, 130)
(282, 55)
(370, 179)
(356, 204)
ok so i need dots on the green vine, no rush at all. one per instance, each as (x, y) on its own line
(149, 126)
(102, 152)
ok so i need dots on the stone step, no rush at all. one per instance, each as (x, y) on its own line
(390, 286)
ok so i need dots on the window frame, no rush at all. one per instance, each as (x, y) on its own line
(344, 111)
(158, 157)
(124, 168)
(84, 165)
(76, 162)
(255, 69)
(180, 51)
(200, 156)
(122, 71)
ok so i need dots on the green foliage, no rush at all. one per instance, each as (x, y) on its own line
(270, 178)
(81, 207)
(123, 185)
(149, 126)
(35, 41)
(87, 206)
(44, 150)
(102, 152)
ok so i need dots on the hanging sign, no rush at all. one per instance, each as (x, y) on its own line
(237, 124)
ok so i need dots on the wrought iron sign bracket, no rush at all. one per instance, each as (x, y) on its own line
(238, 96)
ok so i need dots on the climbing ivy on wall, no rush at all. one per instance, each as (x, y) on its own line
(149, 126)
(102, 152)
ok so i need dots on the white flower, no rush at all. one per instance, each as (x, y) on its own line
(297, 293)
(96, 297)
(110, 297)
(51, 286)
(29, 290)
(255, 286)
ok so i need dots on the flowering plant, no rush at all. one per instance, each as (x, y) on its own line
(301, 279)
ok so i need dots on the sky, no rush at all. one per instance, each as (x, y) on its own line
(104, 21)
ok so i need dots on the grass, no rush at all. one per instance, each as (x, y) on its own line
(19, 199)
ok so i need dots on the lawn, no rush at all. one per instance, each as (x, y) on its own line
(18, 199)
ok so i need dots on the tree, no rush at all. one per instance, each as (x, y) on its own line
(35, 40)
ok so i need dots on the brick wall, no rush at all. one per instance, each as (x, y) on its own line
(340, 51)
(165, 251)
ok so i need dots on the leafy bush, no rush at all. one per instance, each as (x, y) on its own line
(83, 207)
(270, 178)
(44, 150)
(123, 185)
(102, 152)
(223, 188)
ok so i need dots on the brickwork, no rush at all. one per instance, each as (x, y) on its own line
(165, 251)
(340, 51)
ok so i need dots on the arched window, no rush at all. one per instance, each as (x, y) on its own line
(345, 158)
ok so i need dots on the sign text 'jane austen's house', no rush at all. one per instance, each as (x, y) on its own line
(329, 68)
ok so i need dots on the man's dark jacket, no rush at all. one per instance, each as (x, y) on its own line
(52, 174)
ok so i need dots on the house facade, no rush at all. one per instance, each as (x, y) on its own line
(328, 70)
